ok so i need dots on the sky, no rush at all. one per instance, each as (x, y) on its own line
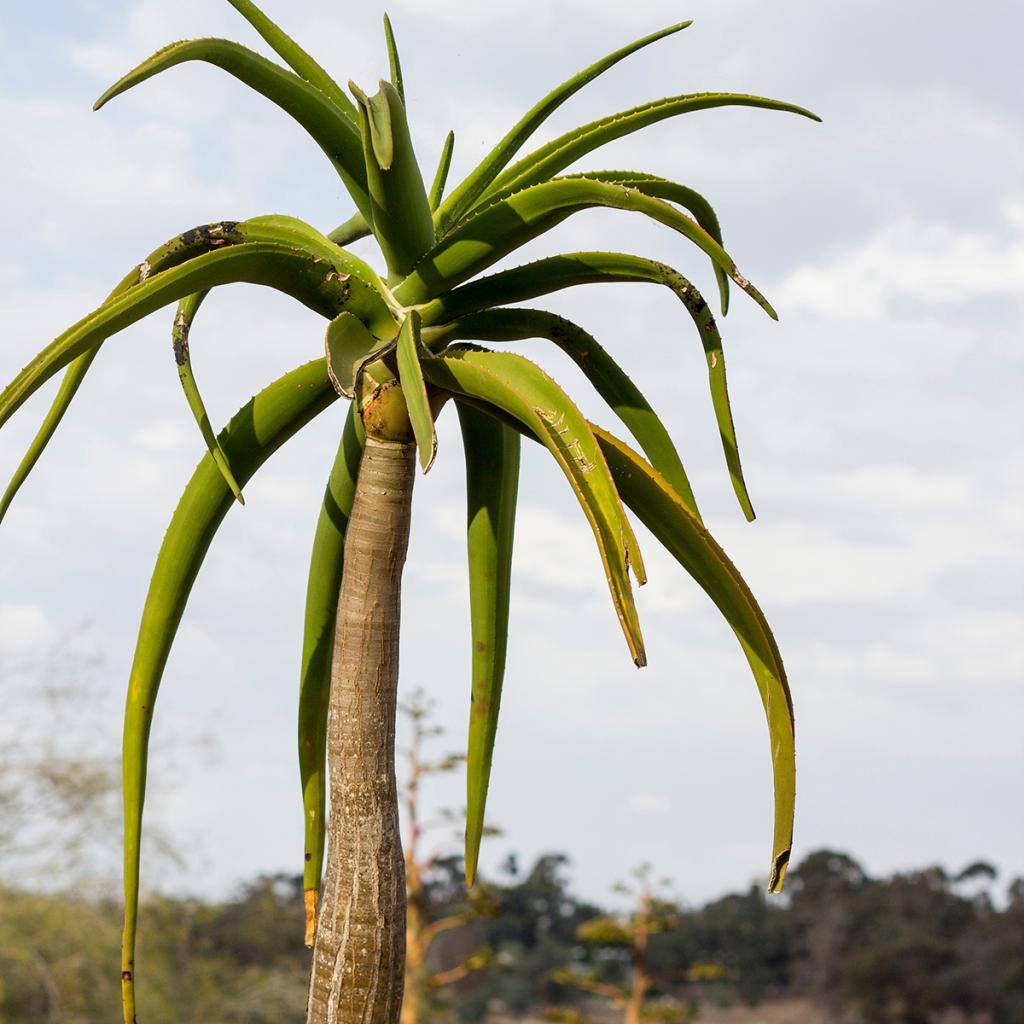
(878, 422)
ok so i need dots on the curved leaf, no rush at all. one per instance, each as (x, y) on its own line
(329, 127)
(549, 275)
(69, 386)
(648, 494)
(559, 153)
(294, 55)
(325, 569)
(492, 483)
(252, 436)
(170, 254)
(681, 195)
(504, 226)
(414, 390)
(522, 391)
(367, 297)
(256, 263)
(463, 197)
(608, 378)
(187, 309)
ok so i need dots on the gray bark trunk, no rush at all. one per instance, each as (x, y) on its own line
(359, 956)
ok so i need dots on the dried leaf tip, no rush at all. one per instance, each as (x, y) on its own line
(311, 897)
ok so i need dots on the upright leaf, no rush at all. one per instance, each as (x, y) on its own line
(661, 511)
(325, 569)
(252, 436)
(399, 209)
(441, 174)
(394, 62)
(492, 483)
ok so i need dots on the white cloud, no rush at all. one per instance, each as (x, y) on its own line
(932, 264)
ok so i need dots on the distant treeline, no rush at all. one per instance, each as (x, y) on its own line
(913, 948)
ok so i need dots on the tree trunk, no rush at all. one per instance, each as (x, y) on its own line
(358, 959)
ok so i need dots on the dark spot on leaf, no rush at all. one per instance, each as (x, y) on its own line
(309, 856)
(481, 646)
(126, 975)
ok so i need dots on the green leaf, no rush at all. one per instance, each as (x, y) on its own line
(519, 389)
(252, 436)
(492, 482)
(329, 127)
(441, 175)
(69, 386)
(608, 378)
(351, 231)
(294, 55)
(659, 508)
(414, 390)
(187, 309)
(555, 156)
(557, 272)
(394, 63)
(463, 197)
(367, 297)
(276, 266)
(399, 209)
(507, 224)
(682, 195)
(325, 569)
(348, 343)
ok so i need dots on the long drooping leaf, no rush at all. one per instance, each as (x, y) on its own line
(275, 266)
(648, 494)
(252, 436)
(399, 209)
(504, 226)
(294, 55)
(441, 174)
(73, 377)
(325, 568)
(608, 378)
(414, 389)
(492, 484)
(521, 390)
(463, 197)
(186, 312)
(180, 248)
(559, 153)
(557, 272)
(330, 128)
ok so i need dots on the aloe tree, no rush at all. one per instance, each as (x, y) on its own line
(401, 345)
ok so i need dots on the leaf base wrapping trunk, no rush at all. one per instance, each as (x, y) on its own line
(359, 956)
